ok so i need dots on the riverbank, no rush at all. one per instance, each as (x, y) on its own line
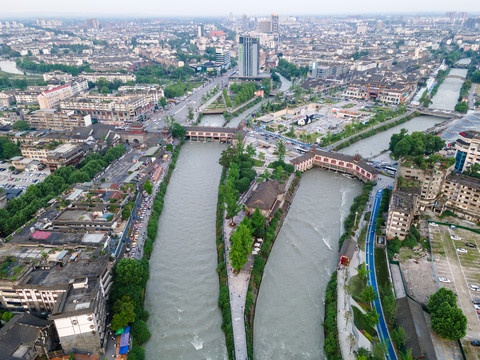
(261, 260)
(374, 130)
(224, 293)
(129, 292)
(228, 116)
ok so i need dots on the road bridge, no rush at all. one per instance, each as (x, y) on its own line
(213, 111)
(439, 113)
(210, 134)
(456, 77)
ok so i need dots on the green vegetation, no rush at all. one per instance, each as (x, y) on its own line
(330, 330)
(461, 107)
(8, 149)
(289, 70)
(30, 65)
(178, 89)
(383, 209)
(417, 143)
(228, 101)
(358, 207)
(224, 293)
(464, 90)
(448, 321)
(365, 322)
(22, 209)
(106, 87)
(157, 74)
(244, 91)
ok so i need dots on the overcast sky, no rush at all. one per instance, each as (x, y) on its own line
(223, 8)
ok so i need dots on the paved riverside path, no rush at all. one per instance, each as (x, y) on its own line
(372, 278)
(238, 288)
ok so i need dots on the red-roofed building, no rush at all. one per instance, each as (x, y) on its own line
(50, 99)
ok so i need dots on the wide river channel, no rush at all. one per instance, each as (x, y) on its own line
(183, 288)
(182, 292)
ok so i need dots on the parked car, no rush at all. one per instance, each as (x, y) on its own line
(476, 301)
(462, 250)
(475, 342)
(444, 280)
(455, 237)
(453, 227)
(474, 287)
(470, 245)
(433, 224)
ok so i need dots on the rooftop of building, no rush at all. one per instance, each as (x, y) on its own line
(401, 201)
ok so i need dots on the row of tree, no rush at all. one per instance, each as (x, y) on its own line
(244, 91)
(28, 64)
(37, 196)
(289, 70)
(417, 143)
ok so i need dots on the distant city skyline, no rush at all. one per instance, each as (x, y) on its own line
(123, 8)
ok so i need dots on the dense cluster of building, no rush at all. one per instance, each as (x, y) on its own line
(437, 187)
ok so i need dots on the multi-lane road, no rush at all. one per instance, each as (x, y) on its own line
(180, 111)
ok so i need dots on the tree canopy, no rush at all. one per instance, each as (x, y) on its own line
(417, 143)
(448, 321)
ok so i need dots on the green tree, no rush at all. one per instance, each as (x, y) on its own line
(227, 157)
(163, 101)
(169, 147)
(368, 294)
(140, 332)
(442, 295)
(362, 272)
(7, 315)
(402, 148)
(21, 125)
(449, 322)
(250, 150)
(280, 149)
(148, 187)
(258, 223)
(123, 313)
(190, 113)
(137, 353)
(242, 241)
(399, 336)
(131, 271)
(372, 317)
(178, 131)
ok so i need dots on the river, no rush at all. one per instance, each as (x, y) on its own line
(219, 120)
(10, 66)
(373, 145)
(290, 305)
(447, 95)
(182, 292)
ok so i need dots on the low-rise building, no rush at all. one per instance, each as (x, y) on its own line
(50, 99)
(64, 155)
(401, 212)
(267, 196)
(51, 119)
(6, 98)
(462, 196)
(94, 77)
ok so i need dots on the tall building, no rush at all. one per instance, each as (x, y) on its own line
(468, 150)
(92, 24)
(275, 23)
(361, 29)
(200, 30)
(264, 26)
(248, 56)
(244, 22)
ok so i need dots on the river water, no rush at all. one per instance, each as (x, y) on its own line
(447, 95)
(290, 305)
(10, 66)
(377, 143)
(182, 292)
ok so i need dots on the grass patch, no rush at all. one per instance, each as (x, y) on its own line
(356, 285)
(381, 267)
(361, 323)
(258, 163)
(362, 238)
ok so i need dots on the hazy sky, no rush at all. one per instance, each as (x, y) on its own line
(223, 8)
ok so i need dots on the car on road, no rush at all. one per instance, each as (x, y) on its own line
(469, 244)
(476, 301)
(474, 287)
(433, 224)
(456, 237)
(475, 342)
(462, 250)
(453, 227)
(444, 280)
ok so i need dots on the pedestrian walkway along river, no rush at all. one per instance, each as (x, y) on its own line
(290, 306)
(182, 292)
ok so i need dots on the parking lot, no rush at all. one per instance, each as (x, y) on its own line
(15, 179)
(456, 267)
